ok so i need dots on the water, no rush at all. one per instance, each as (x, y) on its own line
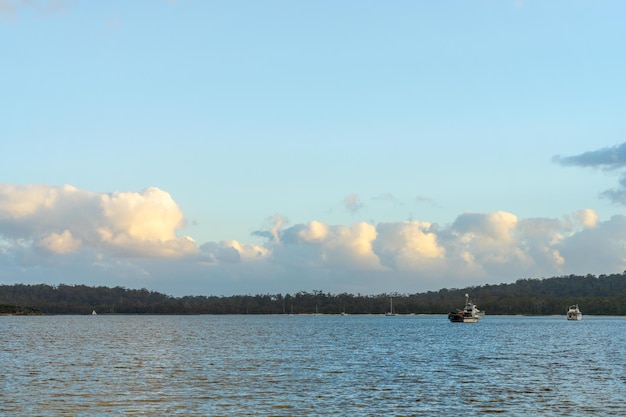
(311, 366)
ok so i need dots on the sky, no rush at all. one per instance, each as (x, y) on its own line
(369, 147)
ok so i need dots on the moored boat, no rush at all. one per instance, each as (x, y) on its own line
(573, 313)
(390, 312)
(469, 314)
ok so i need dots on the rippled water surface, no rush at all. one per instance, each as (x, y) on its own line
(111, 365)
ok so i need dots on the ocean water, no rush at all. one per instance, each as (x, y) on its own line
(282, 365)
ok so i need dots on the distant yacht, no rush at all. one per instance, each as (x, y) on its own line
(469, 314)
(573, 313)
(390, 312)
(93, 313)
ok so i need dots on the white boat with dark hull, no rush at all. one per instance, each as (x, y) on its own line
(573, 313)
(469, 314)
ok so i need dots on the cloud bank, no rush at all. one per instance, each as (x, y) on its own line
(133, 239)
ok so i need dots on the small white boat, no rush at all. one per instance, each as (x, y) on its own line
(469, 314)
(573, 313)
(93, 313)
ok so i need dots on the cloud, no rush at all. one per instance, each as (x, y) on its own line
(617, 195)
(496, 227)
(275, 222)
(586, 217)
(477, 246)
(9, 8)
(352, 203)
(65, 219)
(484, 244)
(409, 245)
(151, 215)
(231, 251)
(388, 197)
(112, 22)
(319, 245)
(422, 199)
(60, 243)
(600, 248)
(64, 234)
(609, 159)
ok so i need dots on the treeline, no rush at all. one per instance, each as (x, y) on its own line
(601, 295)
(13, 310)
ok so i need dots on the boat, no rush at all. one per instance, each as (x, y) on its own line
(390, 312)
(469, 314)
(573, 313)
(93, 313)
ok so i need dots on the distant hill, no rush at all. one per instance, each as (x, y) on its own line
(601, 295)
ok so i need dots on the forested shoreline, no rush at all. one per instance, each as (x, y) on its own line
(596, 295)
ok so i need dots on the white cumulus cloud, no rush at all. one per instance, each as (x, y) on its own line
(66, 219)
(407, 245)
(60, 243)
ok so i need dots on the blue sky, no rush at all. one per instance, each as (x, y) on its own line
(235, 147)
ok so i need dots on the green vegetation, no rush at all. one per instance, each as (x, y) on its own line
(13, 310)
(602, 295)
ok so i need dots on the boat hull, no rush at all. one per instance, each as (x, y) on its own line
(464, 319)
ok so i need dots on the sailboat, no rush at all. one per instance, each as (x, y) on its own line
(390, 312)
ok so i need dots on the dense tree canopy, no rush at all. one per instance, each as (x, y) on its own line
(602, 295)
